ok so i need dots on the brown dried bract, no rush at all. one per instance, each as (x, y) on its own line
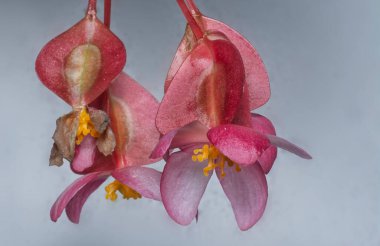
(64, 139)
(99, 119)
(106, 143)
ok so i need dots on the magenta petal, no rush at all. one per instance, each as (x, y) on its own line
(288, 146)
(194, 132)
(241, 144)
(69, 193)
(263, 125)
(182, 186)
(74, 207)
(255, 72)
(163, 145)
(145, 181)
(247, 191)
(84, 155)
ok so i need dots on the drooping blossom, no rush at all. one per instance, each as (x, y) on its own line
(215, 80)
(132, 110)
(78, 66)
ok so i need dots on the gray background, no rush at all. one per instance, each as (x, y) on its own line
(323, 59)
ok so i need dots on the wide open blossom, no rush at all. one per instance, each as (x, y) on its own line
(131, 109)
(205, 114)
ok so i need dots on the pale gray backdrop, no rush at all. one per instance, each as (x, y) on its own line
(323, 59)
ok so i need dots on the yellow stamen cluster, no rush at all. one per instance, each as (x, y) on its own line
(85, 127)
(126, 191)
(215, 159)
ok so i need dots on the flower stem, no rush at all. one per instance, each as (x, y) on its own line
(91, 9)
(190, 19)
(107, 13)
(194, 7)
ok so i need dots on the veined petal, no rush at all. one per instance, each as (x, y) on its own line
(182, 186)
(190, 134)
(179, 105)
(247, 191)
(255, 73)
(241, 144)
(145, 181)
(288, 146)
(66, 196)
(132, 110)
(74, 207)
(80, 64)
(263, 125)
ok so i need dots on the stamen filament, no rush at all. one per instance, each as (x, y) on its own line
(125, 190)
(215, 159)
(85, 127)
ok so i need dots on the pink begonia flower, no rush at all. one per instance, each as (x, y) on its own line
(215, 80)
(131, 109)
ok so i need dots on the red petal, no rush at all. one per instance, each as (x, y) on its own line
(179, 105)
(79, 64)
(74, 207)
(263, 125)
(132, 110)
(241, 144)
(145, 181)
(247, 191)
(255, 72)
(185, 47)
(69, 193)
(207, 87)
(182, 186)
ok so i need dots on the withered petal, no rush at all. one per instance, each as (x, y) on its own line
(64, 138)
(106, 143)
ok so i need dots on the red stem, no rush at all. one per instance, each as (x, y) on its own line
(193, 6)
(190, 19)
(107, 13)
(91, 9)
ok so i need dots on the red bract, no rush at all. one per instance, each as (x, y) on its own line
(256, 76)
(132, 110)
(79, 64)
(205, 113)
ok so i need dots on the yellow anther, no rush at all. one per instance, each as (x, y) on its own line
(125, 190)
(85, 127)
(215, 159)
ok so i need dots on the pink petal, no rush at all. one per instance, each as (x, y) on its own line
(247, 191)
(88, 159)
(132, 110)
(84, 155)
(74, 207)
(179, 105)
(288, 146)
(255, 72)
(182, 186)
(145, 181)
(192, 133)
(69, 193)
(241, 144)
(263, 125)
(53, 62)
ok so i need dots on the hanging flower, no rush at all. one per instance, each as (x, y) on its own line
(79, 66)
(205, 114)
(131, 109)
